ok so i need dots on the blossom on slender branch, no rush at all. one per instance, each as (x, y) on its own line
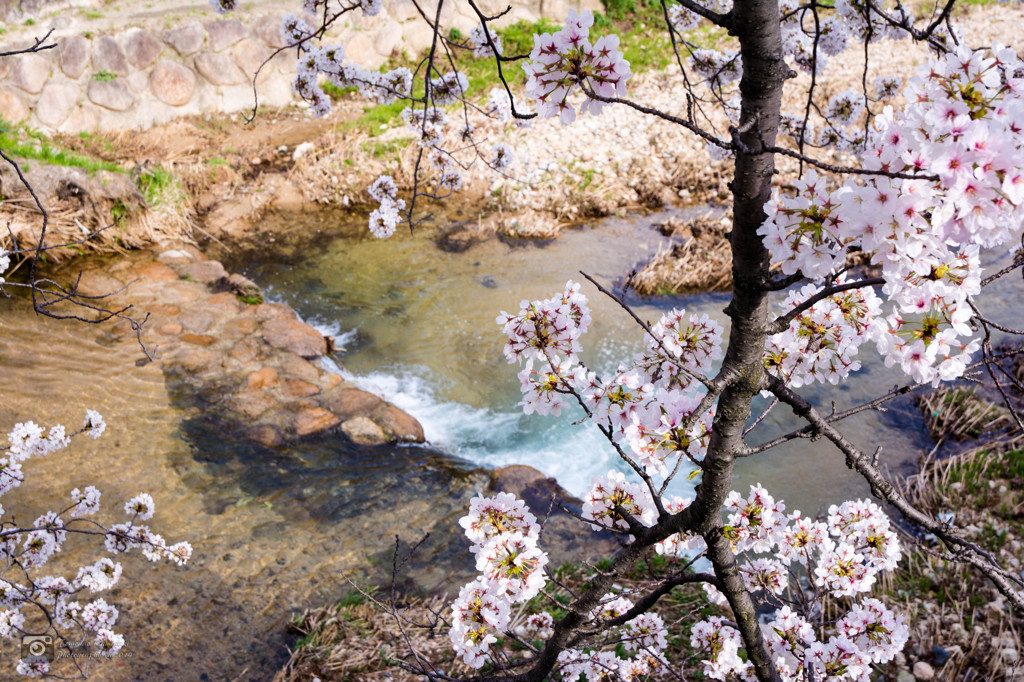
(561, 62)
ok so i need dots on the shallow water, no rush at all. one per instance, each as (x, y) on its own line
(274, 531)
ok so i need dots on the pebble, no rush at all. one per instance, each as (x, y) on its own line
(940, 656)
(923, 671)
(1009, 655)
(905, 676)
(302, 150)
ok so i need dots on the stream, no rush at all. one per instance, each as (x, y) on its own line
(276, 531)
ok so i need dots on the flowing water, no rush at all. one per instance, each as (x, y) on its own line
(274, 531)
(418, 325)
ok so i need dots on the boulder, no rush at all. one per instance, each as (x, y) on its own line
(294, 366)
(207, 271)
(295, 336)
(266, 435)
(107, 55)
(85, 118)
(265, 377)
(140, 47)
(193, 360)
(196, 320)
(172, 83)
(74, 56)
(187, 39)
(228, 303)
(360, 50)
(168, 329)
(155, 272)
(403, 10)
(363, 431)
(297, 388)
(239, 326)
(113, 95)
(417, 36)
(219, 69)
(923, 671)
(56, 103)
(249, 350)
(250, 55)
(350, 402)
(224, 33)
(251, 404)
(398, 424)
(312, 420)
(12, 107)
(98, 283)
(30, 73)
(268, 29)
(199, 339)
(389, 39)
(271, 311)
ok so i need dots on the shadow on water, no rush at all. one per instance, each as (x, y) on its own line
(352, 493)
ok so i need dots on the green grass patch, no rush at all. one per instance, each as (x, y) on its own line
(158, 185)
(639, 24)
(26, 143)
(104, 76)
(382, 149)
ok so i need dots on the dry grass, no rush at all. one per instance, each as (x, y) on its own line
(355, 640)
(948, 604)
(957, 413)
(702, 262)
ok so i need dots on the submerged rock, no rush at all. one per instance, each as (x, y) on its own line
(363, 431)
(257, 365)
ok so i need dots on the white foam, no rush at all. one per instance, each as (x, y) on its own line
(572, 453)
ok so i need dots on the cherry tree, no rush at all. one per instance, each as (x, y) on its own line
(925, 177)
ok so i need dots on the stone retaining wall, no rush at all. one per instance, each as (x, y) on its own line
(141, 74)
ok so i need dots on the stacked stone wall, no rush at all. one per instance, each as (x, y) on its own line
(143, 75)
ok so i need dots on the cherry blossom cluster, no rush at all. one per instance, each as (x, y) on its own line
(5, 262)
(644, 639)
(612, 496)
(478, 39)
(683, 20)
(546, 329)
(822, 342)
(961, 133)
(29, 602)
(842, 556)
(680, 348)
(653, 407)
(505, 539)
(561, 62)
(810, 38)
(385, 218)
(329, 61)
